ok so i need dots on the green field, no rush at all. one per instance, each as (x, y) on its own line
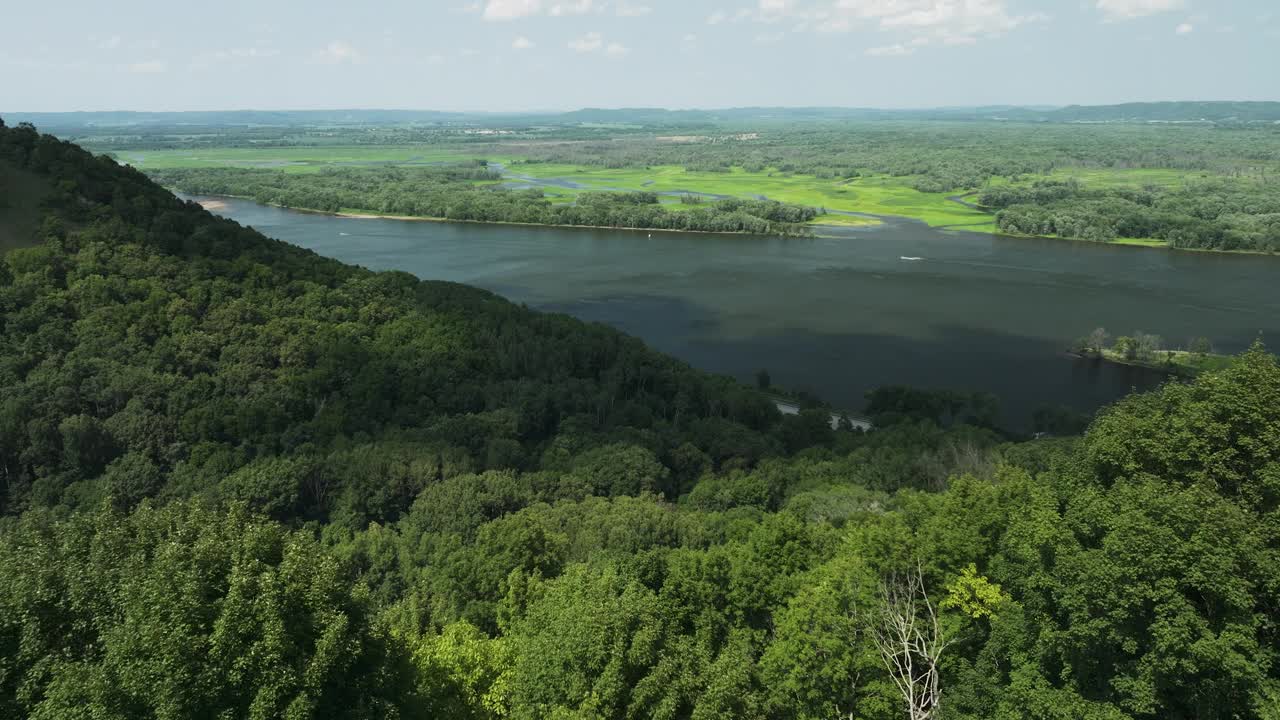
(872, 195)
(876, 195)
(1140, 242)
(1133, 177)
(845, 220)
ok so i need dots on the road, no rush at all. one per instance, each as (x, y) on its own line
(786, 407)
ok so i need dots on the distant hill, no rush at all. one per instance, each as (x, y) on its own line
(1169, 112)
(118, 119)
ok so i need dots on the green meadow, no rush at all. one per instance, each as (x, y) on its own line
(882, 195)
(875, 195)
(871, 195)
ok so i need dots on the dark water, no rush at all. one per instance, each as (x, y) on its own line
(839, 316)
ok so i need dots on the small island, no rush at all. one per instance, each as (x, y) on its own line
(1149, 351)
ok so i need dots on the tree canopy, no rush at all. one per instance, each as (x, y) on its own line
(242, 480)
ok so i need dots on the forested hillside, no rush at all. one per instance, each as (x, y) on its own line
(242, 480)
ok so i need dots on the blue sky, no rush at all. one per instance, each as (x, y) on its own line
(563, 54)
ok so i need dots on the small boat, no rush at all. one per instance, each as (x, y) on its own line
(910, 259)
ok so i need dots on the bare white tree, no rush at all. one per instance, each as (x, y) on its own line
(1098, 340)
(911, 641)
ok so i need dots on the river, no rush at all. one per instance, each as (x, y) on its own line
(838, 316)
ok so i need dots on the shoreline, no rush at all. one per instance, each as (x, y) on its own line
(1136, 244)
(1164, 363)
(1117, 242)
(215, 204)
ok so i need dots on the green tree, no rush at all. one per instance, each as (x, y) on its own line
(184, 612)
(763, 381)
(1126, 347)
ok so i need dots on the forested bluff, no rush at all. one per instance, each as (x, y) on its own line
(243, 480)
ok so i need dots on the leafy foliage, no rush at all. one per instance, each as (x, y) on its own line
(244, 481)
(451, 193)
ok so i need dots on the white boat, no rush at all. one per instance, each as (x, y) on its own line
(912, 259)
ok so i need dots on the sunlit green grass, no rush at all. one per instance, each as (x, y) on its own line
(1135, 177)
(1141, 242)
(845, 220)
(877, 195)
(984, 227)
(872, 195)
(1178, 361)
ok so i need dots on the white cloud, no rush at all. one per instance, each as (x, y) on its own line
(775, 8)
(1184, 28)
(590, 42)
(594, 42)
(522, 43)
(949, 22)
(338, 52)
(110, 43)
(577, 7)
(245, 53)
(895, 50)
(511, 9)
(149, 67)
(516, 9)
(626, 9)
(1115, 10)
(205, 60)
(717, 17)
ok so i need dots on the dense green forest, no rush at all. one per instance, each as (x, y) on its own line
(451, 193)
(1192, 187)
(1214, 214)
(242, 480)
(939, 156)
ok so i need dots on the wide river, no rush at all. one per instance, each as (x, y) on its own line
(839, 316)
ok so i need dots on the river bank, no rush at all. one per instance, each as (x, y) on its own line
(1175, 362)
(213, 203)
(837, 317)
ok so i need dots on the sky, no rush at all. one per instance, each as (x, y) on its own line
(522, 55)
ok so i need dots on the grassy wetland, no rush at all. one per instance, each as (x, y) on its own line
(1196, 187)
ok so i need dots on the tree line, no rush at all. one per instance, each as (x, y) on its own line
(452, 193)
(1215, 214)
